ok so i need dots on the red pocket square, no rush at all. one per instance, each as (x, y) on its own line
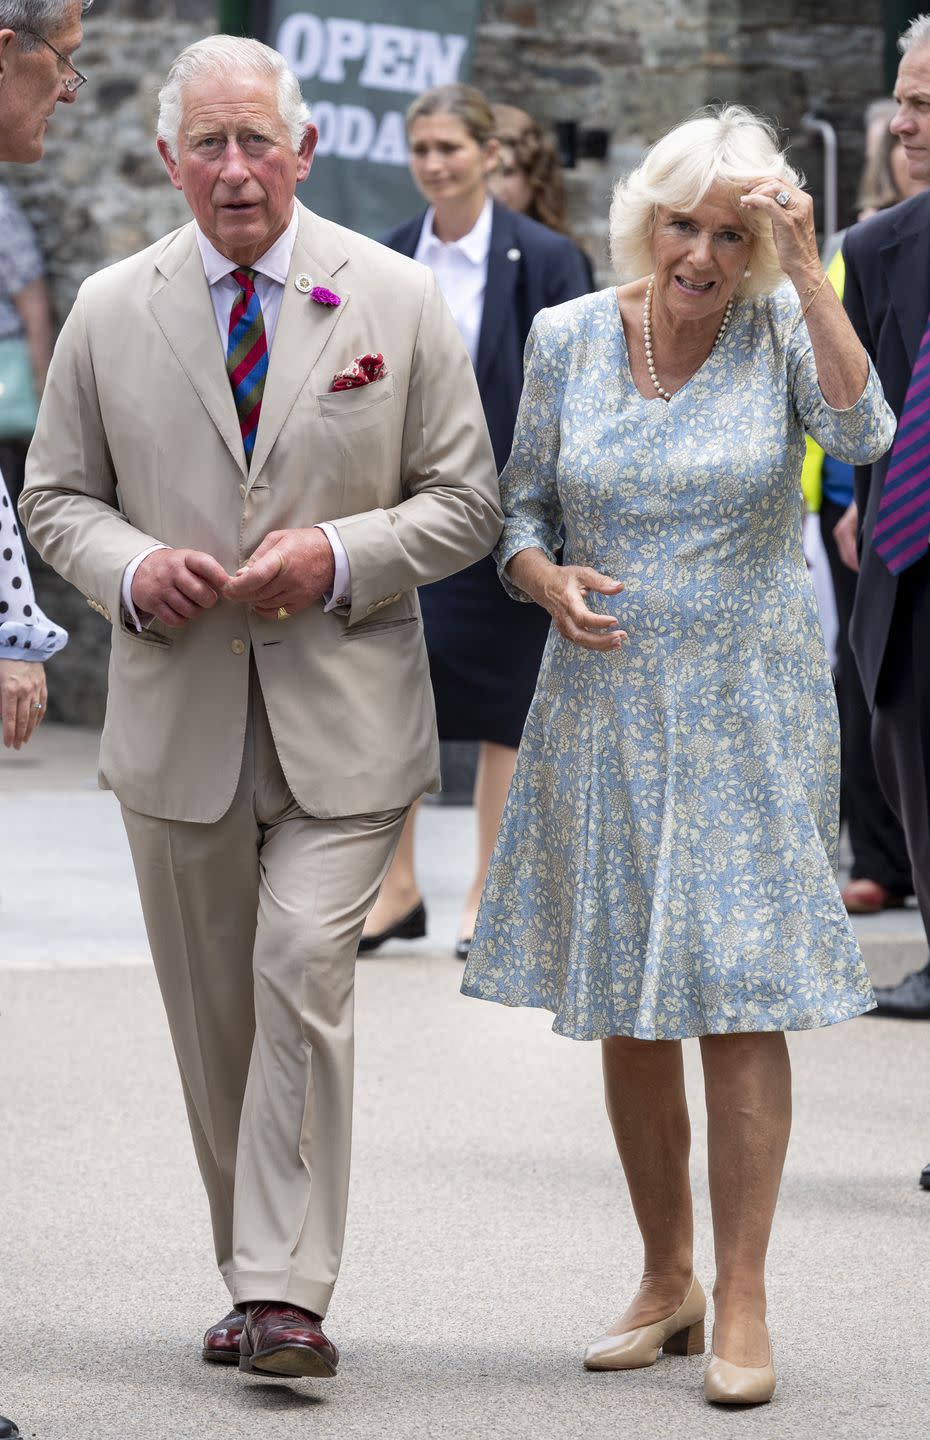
(363, 370)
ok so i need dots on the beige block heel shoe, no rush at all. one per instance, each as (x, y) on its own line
(729, 1384)
(679, 1334)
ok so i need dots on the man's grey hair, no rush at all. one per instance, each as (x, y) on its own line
(30, 18)
(229, 56)
(917, 33)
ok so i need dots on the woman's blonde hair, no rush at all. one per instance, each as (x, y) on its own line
(726, 145)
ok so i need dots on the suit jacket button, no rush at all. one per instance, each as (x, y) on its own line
(238, 647)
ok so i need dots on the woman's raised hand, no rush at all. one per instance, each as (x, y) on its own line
(792, 224)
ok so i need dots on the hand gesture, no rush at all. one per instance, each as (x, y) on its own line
(792, 218)
(175, 585)
(291, 570)
(22, 700)
(564, 597)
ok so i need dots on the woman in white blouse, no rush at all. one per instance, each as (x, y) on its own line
(496, 270)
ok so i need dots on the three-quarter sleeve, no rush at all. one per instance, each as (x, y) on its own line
(25, 632)
(529, 488)
(859, 434)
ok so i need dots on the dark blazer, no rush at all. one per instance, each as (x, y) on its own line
(887, 298)
(529, 268)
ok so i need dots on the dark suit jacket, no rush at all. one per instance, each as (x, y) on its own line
(887, 298)
(529, 268)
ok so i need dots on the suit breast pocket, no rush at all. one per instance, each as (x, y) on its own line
(358, 409)
(362, 427)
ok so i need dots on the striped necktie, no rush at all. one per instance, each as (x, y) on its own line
(902, 526)
(247, 357)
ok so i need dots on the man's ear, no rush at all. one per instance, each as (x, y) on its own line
(6, 39)
(170, 164)
(305, 153)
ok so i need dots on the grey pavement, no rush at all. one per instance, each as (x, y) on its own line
(489, 1236)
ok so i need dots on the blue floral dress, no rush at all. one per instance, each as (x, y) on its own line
(666, 860)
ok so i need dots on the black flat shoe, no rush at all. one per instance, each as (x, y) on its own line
(925, 1177)
(410, 927)
(908, 1000)
(462, 948)
(8, 1431)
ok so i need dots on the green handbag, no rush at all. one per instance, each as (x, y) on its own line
(18, 403)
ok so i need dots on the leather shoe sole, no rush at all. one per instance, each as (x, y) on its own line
(295, 1361)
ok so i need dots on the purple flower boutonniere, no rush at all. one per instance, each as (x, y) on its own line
(322, 296)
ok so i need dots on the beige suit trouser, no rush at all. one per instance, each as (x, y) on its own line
(254, 922)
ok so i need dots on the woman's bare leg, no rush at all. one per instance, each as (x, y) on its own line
(399, 891)
(645, 1091)
(747, 1083)
(492, 781)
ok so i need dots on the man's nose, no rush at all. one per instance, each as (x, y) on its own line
(235, 170)
(902, 123)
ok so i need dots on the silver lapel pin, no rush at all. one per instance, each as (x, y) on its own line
(303, 283)
(513, 254)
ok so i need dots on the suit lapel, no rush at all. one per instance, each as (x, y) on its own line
(304, 328)
(498, 295)
(184, 313)
(906, 260)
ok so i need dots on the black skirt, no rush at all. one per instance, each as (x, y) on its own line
(484, 653)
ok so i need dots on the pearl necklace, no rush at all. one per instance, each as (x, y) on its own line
(647, 335)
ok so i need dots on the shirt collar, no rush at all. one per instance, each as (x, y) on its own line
(275, 262)
(474, 246)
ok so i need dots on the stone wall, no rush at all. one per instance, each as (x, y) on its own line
(629, 67)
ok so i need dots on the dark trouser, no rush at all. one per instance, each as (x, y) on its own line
(876, 838)
(901, 722)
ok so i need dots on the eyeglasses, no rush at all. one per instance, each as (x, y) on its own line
(75, 80)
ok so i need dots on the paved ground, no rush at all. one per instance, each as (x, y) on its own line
(489, 1233)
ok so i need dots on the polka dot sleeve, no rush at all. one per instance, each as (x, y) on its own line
(25, 633)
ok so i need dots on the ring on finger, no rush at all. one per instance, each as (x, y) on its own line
(782, 198)
(37, 705)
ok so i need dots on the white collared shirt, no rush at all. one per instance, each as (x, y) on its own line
(461, 271)
(271, 271)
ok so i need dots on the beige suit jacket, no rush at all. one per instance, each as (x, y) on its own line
(138, 441)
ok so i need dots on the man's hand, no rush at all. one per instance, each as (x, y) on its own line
(175, 585)
(290, 570)
(22, 699)
(845, 532)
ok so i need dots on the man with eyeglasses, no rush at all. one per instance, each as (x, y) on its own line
(37, 41)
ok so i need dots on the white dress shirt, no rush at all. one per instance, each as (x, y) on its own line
(461, 271)
(271, 271)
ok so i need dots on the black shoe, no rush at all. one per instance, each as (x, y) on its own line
(925, 1177)
(462, 948)
(409, 927)
(8, 1431)
(908, 1000)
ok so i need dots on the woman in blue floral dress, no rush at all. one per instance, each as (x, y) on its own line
(666, 860)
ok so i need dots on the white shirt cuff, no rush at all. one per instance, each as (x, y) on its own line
(341, 594)
(129, 574)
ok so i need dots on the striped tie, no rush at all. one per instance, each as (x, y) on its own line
(247, 357)
(902, 528)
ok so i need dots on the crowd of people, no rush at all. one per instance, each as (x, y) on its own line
(623, 621)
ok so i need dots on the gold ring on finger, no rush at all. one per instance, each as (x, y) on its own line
(283, 612)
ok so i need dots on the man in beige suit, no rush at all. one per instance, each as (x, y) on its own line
(270, 717)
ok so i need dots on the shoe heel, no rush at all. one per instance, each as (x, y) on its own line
(412, 929)
(686, 1342)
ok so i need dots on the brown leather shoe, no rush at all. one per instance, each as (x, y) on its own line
(221, 1342)
(867, 897)
(280, 1339)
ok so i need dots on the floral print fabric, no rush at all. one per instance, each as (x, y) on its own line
(665, 865)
